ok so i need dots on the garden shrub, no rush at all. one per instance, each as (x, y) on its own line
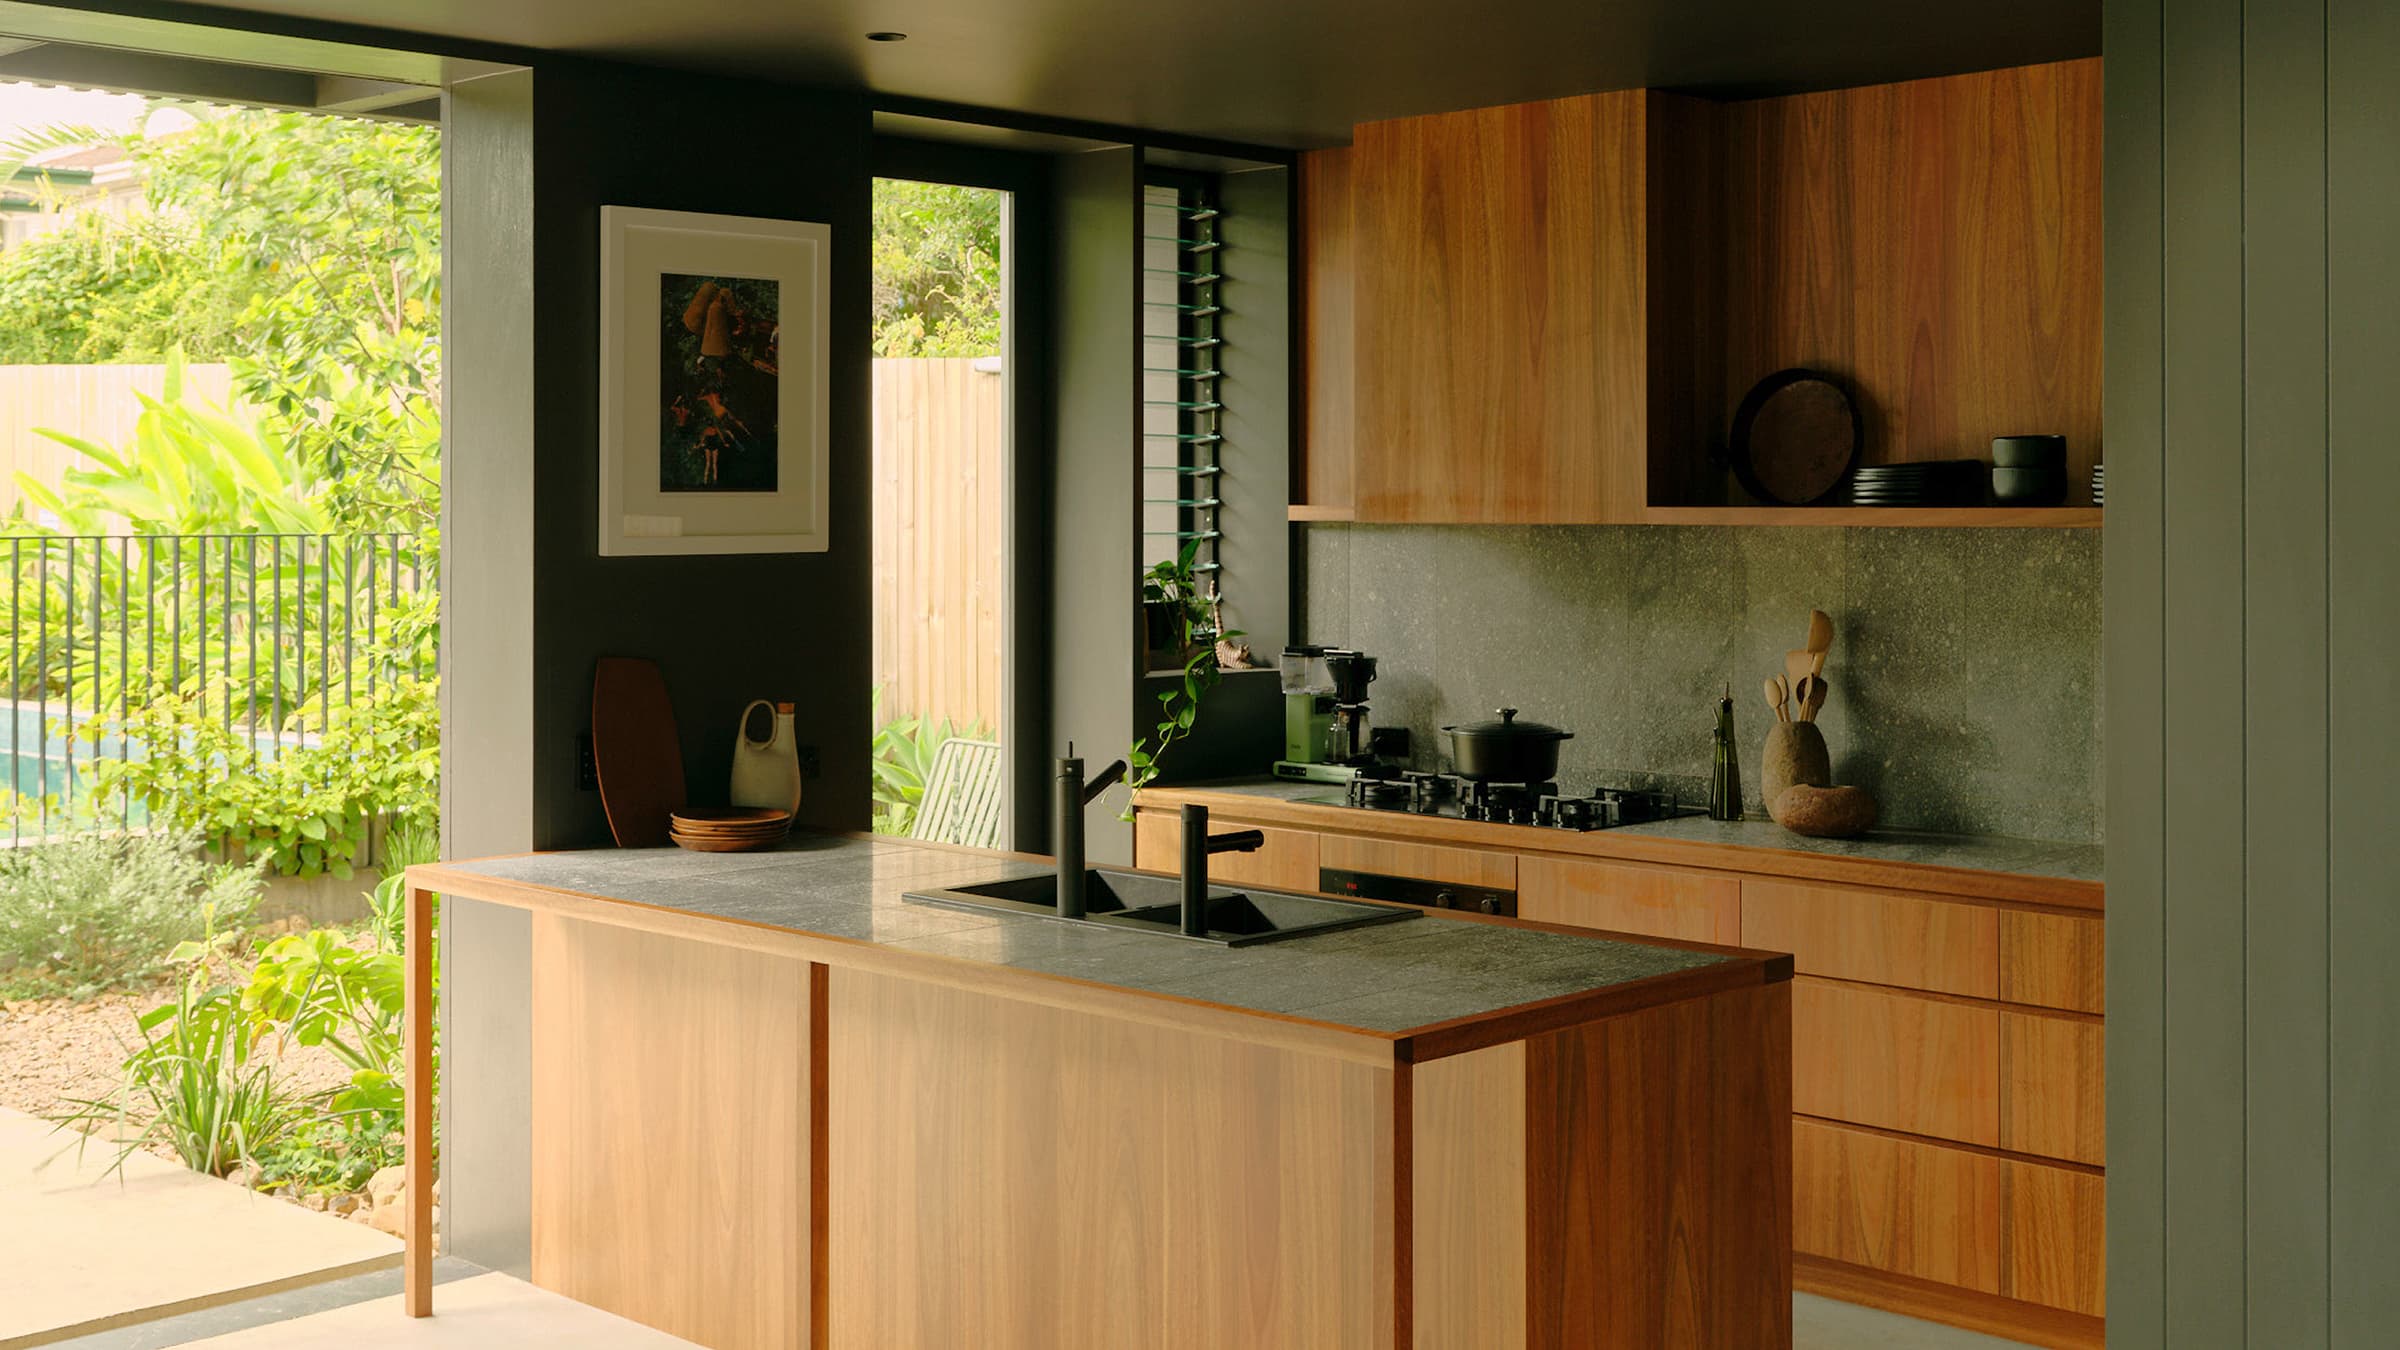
(98, 910)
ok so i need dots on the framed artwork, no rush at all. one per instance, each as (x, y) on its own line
(712, 384)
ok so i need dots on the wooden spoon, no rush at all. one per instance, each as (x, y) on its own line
(1820, 632)
(1775, 696)
(1814, 701)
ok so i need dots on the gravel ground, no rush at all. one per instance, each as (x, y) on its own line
(53, 1050)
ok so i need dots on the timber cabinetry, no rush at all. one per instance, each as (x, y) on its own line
(1548, 312)
(1948, 1135)
(1499, 313)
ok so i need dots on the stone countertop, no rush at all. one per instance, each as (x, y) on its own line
(1385, 979)
(1973, 853)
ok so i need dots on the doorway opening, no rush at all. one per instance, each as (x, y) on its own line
(220, 444)
(941, 494)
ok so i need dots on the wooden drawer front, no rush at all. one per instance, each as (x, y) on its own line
(1652, 901)
(2053, 1072)
(2055, 1247)
(1426, 862)
(1896, 1061)
(1877, 936)
(2052, 961)
(1896, 1204)
(1287, 861)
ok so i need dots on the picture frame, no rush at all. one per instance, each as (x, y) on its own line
(713, 384)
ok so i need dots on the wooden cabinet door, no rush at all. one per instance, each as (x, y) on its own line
(1901, 1205)
(1287, 861)
(1652, 901)
(1881, 937)
(2055, 1236)
(1896, 1061)
(2053, 1071)
(1502, 362)
(1426, 862)
(2053, 960)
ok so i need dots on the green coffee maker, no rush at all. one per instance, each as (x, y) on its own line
(1310, 750)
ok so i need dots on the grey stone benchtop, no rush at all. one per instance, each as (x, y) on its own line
(1388, 978)
(1973, 853)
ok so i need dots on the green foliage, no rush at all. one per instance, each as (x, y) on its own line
(1177, 584)
(191, 468)
(196, 1081)
(321, 991)
(95, 911)
(406, 843)
(937, 269)
(903, 754)
(303, 249)
(336, 1153)
(100, 291)
(301, 809)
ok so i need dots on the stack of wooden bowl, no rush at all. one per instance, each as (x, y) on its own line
(727, 829)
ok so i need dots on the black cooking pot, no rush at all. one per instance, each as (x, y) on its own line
(1506, 751)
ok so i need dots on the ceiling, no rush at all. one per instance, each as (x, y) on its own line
(1276, 72)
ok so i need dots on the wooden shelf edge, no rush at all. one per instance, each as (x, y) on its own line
(1302, 511)
(1942, 517)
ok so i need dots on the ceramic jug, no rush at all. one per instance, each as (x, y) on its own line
(766, 773)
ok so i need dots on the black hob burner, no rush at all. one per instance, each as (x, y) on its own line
(1538, 804)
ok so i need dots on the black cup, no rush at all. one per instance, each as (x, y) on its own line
(2030, 452)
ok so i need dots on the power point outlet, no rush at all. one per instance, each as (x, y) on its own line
(587, 769)
(809, 768)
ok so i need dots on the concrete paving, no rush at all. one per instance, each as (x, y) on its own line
(85, 1251)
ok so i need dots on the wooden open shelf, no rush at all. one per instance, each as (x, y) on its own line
(1935, 517)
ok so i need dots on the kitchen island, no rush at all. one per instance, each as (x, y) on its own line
(776, 1101)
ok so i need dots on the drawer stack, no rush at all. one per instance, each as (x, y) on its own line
(1946, 1070)
(1948, 1134)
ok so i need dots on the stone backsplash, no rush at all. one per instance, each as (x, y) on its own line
(1965, 668)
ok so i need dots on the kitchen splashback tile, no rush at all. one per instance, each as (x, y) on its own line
(1964, 671)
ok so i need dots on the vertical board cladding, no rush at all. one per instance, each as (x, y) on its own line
(723, 629)
(2254, 1067)
(2362, 483)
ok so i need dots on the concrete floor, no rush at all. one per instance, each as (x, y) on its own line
(1822, 1324)
(482, 1313)
(84, 1251)
(478, 1309)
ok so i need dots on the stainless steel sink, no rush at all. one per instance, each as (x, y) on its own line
(1138, 902)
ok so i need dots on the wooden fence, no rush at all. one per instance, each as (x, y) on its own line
(941, 490)
(94, 402)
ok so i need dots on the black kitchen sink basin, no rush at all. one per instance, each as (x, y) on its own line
(1143, 903)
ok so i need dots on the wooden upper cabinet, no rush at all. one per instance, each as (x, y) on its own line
(1328, 352)
(1498, 314)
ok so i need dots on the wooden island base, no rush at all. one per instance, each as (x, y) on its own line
(754, 1137)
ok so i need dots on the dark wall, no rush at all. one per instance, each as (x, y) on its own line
(1094, 402)
(724, 630)
(2252, 589)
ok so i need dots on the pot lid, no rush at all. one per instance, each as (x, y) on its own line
(1509, 728)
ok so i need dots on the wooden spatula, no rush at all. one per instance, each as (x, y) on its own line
(1796, 665)
(1820, 631)
(1813, 701)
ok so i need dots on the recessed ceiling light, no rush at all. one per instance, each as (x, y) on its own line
(887, 37)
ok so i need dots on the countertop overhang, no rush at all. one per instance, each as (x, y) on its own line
(1434, 986)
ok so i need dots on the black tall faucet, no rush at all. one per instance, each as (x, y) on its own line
(1066, 842)
(1198, 843)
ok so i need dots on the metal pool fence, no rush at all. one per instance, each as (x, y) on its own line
(267, 634)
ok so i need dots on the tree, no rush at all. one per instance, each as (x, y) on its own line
(303, 249)
(937, 269)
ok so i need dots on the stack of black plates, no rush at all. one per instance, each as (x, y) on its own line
(1941, 482)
